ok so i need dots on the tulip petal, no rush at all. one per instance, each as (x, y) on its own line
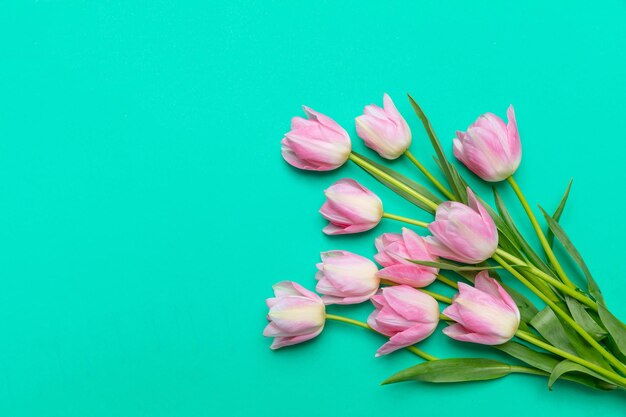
(406, 338)
(458, 332)
(280, 342)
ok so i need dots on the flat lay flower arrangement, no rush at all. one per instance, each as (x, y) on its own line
(470, 246)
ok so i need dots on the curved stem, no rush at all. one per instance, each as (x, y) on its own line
(430, 176)
(550, 280)
(557, 310)
(600, 370)
(405, 220)
(542, 238)
(400, 185)
(411, 349)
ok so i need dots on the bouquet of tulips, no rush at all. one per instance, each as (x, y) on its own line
(473, 248)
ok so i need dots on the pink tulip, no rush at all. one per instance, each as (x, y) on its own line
(490, 148)
(317, 143)
(384, 130)
(404, 314)
(484, 313)
(393, 251)
(296, 315)
(346, 278)
(350, 208)
(463, 233)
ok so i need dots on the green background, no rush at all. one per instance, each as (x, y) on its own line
(145, 210)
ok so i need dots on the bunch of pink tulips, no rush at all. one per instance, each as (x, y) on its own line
(468, 246)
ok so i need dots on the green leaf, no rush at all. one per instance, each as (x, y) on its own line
(406, 181)
(559, 211)
(582, 317)
(453, 267)
(539, 360)
(445, 165)
(560, 234)
(546, 362)
(563, 337)
(452, 370)
(517, 236)
(549, 326)
(616, 328)
(567, 366)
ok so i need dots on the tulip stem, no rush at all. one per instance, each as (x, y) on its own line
(391, 180)
(550, 280)
(430, 176)
(436, 296)
(447, 281)
(542, 238)
(559, 312)
(405, 220)
(546, 346)
(411, 349)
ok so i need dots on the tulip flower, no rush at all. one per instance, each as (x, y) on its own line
(317, 143)
(484, 313)
(490, 148)
(405, 315)
(463, 233)
(394, 250)
(350, 208)
(346, 278)
(296, 315)
(384, 129)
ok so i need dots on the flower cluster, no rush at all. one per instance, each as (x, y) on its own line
(466, 238)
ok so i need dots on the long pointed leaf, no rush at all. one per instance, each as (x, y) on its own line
(558, 212)
(615, 327)
(453, 267)
(405, 180)
(546, 362)
(437, 146)
(582, 317)
(528, 250)
(567, 366)
(452, 370)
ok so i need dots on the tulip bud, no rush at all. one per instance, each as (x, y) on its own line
(490, 148)
(346, 278)
(296, 315)
(463, 233)
(484, 313)
(317, 143)
(350, 208)
(393, 251)
(405, 315)
(384, 130)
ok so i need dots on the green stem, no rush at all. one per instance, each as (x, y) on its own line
(550, 280)
(546, 346)
(405, 220)
(557, 310)
(542, 238)
(436, 296)
(430, 176)
(391, 180)
(448, 281)
(411, 349)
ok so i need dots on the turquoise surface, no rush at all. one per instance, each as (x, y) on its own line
(145, 210)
